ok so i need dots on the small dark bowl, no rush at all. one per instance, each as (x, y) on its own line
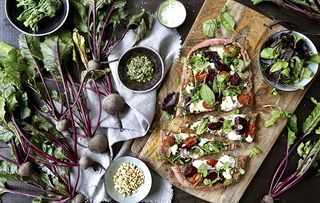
(45, 27)
(158, 67)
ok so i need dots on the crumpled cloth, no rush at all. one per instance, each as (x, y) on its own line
(136, 118)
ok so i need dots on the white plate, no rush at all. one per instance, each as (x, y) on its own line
(143, 190)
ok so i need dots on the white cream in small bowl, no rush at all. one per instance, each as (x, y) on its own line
(171, 13)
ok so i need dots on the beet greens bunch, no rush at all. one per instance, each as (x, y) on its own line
(43, 98)
(308, 8)
(41, 156)
(300, 142)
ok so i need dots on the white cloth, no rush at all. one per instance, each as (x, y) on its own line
(136, 118)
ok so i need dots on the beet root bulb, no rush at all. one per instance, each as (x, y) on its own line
(85, 162)
(98, 144)
(63, 125)
(113, 104)
(93, 65)
(80, 198)
(26, 169)
(267, 199)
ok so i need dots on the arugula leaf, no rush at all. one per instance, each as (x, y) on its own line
(226, 20)
(306, 73)
(276, 115)
(209, 27)
(203, 169)
(255, 151)
(202, 127)
(274, 91)
(314, 118)
(268, 53)
(211, 182)
(168, 117)
(278, 65)
(207, 94)
(315, 58)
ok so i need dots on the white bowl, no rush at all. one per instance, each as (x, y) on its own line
(313, 66)
(143, 190)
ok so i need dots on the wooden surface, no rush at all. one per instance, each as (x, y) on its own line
(250, 24)
(303, 192)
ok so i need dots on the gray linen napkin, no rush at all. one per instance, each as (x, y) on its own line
(136, 118)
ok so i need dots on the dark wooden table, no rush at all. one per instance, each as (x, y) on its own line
(307, 191)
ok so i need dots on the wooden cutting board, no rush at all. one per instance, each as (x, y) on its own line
(251, 26)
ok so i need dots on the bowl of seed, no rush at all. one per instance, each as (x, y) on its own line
(128, 179)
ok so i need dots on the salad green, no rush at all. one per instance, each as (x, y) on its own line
(36, 10)
(286, 59)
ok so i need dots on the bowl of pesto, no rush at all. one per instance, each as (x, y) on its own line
(140, 69)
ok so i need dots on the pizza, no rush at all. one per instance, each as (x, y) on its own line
(216, 77)
(233, 127)
(182, 148)
(217, 82)
(210, 174)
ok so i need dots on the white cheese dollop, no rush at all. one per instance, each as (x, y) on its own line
(194, 125)
(174, 149)
(225, 159)
(189, 89)
(213, 119)
(183, 136)
(197, 163)
(198, 107)
(249, 139)
(230, 103)
(227, 174)
(219, 49)
(233, 135)
(203, 141)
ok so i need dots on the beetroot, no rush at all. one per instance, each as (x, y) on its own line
(93, 65)
(240, 125)
(98, 144)
(190, 171)
(170, 102)
(221, 66)
(63, 125)
(85, 162)
(235, 79)
(212, 175)
(113, 104)
(80, 198)
(212, 56)
(267, 199)
(26, 169)
(215, 125)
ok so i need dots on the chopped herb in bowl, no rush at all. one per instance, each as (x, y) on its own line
(140, 69)
(288, 60)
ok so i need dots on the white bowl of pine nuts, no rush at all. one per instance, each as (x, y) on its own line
(128, 180)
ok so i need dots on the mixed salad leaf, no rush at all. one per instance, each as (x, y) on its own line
(286, 59)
